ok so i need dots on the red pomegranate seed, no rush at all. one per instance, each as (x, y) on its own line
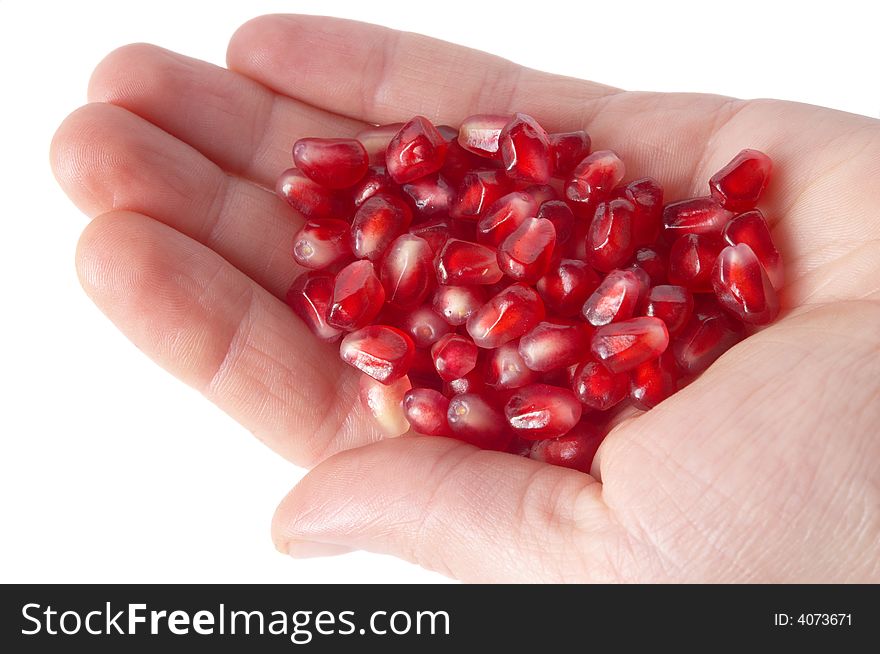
(567, 150)
(384, 402)
(479, 134)
(525, 150)
(609, 241)
(333, 163)
(477, 191)
(465, 263)
(309, 198)
(424, 326)
(506, 316)
(525, 254)
(457, 303)
(454, 356)
(435, 232)
(418, 149)
(691, 259)
(358, 297)
(382, 352)
(541, 411)
(742, 286)
(504, 216)
(597, 387)
(309, 296)
(321, 242)
(558, 213)
(739, 185)
(646, 196)
(472, 382)
(550, 345)
(708, 334)
(422, 372)
(376, 181)
(542, 193)
(473, 420)
(376, 139)
(653, 381)
(751, 228)
(622, 346)
(430, 196)
(653, 262)
(426, 409)
(672, 304)
(593, 179)
(615, 299)
(377, 222)
(505, 368)
(407, 272)
(459, 162)
(575, 450)
(566, 287)
(695, 216)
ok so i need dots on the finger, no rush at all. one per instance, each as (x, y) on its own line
(214, 328)
(471, 514)
(381, 75)
(238, 123)
(106, 158)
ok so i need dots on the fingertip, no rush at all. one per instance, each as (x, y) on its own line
(120, 74)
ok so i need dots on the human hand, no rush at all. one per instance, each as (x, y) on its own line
(764, 469)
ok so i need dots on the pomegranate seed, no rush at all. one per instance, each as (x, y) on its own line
(525, 150)
(542, 193)
(422, 372)
(739, 185)
(477, 191)
(426, 409)
(506, 316)
(541, 411)
(382, 352)
(751, 228)
(505, 368)
(357, 297)
(454, 356)
(742, 286)
(461, 262)
(472, 382)
(622, 346)
(672, 304)
(309, 198)
(575, 450)
(407, 272)
(616, 298)
(567, 150)
(376, 139)
(558, 213)
(609, 241)
(333, 163)
(566, 287)
(525, 254)
(384, 402)
(376, 181)
(504, 216)
(435, 232)
(550, 345)
(430, 196)
(479, 134)
(418, 149)
(457, 303)
(424, 326)
(646, 196)
(377, 222)
(653, 381)
(321, 242)
(309, 296)
(474, 420)
(691, 259)
(459, 162)
(708, 334)
(597, 387)
(593, 179)
(695, 216)
(653, 262)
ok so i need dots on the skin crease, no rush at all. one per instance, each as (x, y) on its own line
(187, 252)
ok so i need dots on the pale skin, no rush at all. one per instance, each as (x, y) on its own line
(763, 470)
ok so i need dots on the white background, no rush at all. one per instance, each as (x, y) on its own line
(112, 471)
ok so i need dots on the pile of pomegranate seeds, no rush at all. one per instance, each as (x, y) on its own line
(506, 287)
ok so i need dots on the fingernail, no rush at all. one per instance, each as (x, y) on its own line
(306, 549)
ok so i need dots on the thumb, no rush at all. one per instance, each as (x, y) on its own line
(467, 513)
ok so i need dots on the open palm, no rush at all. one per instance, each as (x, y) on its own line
(764, 469)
